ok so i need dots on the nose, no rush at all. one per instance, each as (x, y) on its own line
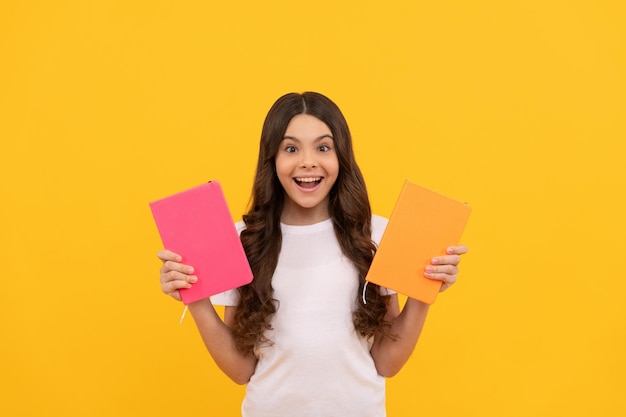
(307, 159)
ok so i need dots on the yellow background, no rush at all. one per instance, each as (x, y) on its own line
(515, 106)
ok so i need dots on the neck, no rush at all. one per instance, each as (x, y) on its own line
(295, 215)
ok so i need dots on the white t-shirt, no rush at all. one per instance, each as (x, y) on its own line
(317, 365)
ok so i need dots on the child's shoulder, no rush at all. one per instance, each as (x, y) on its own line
(379, 224)
(240, 226)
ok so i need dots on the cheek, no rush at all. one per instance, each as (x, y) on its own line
(280, 166)
(333, 167)
(283, 172)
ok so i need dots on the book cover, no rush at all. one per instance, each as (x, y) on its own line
(422, 225)
(197, 225)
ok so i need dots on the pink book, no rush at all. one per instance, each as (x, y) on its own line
(197, 225)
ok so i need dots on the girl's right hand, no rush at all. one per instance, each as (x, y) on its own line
(174, 275)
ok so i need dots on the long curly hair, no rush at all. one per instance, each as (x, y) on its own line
(349, 209)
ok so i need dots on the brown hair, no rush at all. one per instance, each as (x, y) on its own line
(349, 209)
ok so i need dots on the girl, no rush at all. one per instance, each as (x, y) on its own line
(299, 335)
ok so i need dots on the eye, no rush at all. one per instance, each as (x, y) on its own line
(290, 149)
(324, 148)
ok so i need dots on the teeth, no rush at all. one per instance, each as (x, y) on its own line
(309, 179)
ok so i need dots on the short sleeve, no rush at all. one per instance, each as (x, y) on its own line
(379, 224)
(386, 291)
(228, 298)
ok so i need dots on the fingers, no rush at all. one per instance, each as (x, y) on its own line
(457, 250)
(446, 273)
(445, 268)
(169, 266)
(171, 287)
(446, 260)
(166, 255)
(174, 276)
(453, 256)
(175, 295)
(168, 276)
(173, 281)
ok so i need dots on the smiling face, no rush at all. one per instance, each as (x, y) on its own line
(307, 168)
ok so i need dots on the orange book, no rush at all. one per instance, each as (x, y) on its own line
(422, 225)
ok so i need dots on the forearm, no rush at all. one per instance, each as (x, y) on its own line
(219, 341)
(389, 354)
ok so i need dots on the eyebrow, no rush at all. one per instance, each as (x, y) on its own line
(295, 139)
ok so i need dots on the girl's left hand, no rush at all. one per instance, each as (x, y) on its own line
(445, 268)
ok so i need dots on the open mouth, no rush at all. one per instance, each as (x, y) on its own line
(308, 182)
